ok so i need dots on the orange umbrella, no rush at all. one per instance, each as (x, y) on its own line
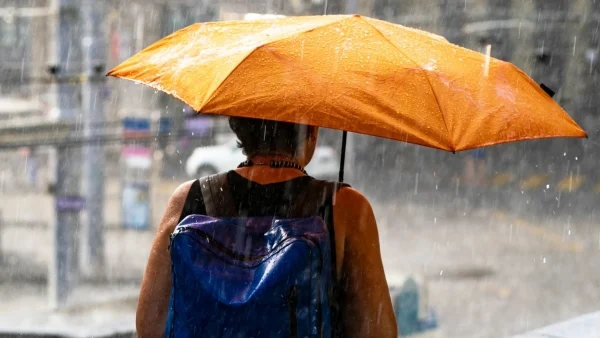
(351, 73)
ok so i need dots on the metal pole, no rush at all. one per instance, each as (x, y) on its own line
(63, 271)
(343, 156)
(93, 44)
(1, 229)
(351, 8)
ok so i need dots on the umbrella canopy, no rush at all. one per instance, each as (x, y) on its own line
(351, 73)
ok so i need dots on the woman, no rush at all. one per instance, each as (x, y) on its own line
(258, 186)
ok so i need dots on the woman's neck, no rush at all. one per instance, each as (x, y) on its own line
(266, 158)
(261, 171)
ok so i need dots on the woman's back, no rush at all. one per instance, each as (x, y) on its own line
(275, 197)
(264, 187)
(252, 199)
(300, 198)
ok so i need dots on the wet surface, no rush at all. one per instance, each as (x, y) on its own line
(490, 273)
(493, 274)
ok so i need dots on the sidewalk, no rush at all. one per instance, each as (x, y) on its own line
(93, 311)
(586, 326)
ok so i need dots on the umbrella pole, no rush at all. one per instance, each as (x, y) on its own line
(343, 159)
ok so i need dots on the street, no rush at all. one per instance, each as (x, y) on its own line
(492, 274)
(489, 273)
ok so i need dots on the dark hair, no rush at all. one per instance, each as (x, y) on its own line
(264, 136)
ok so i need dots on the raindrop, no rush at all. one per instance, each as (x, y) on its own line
(487, 60)
(544, 260)
(547, 186)
(416, 190)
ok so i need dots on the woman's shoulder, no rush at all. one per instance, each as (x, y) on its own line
(178, 199)
(343, 194)
(348, 196)
(181, 192)
(351, 206)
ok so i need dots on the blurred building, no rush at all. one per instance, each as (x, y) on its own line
(554, 41)
(22, 55)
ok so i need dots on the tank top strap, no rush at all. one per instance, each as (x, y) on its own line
(194, 203)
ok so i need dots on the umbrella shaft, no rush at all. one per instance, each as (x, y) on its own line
(343, 159)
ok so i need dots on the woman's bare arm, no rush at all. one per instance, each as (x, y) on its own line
(153, 304)
(367, 308)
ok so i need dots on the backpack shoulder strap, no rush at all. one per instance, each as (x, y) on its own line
(314, 196)
(217, 196)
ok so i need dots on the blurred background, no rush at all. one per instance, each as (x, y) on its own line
(502, 240)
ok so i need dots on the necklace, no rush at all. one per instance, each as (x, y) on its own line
(274, 164)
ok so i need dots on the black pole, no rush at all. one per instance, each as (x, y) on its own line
(343, 159)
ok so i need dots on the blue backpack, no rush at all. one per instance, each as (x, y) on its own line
(252, 276)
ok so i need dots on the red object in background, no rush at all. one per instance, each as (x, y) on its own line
(24, 151)
(114, 45)
(135, 152)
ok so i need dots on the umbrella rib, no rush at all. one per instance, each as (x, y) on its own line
(441, 111)
(426, 77)
(342, 17)
(212, 95)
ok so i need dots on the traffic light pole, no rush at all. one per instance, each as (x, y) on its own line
(94, 50)
(63, 270)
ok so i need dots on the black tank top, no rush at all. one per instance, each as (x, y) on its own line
(252, 199)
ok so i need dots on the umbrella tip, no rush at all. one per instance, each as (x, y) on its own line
(547, 89)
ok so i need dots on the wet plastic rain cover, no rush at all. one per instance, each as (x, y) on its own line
(250, 277)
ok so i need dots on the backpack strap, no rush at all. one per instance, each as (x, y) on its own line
(217, 196)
